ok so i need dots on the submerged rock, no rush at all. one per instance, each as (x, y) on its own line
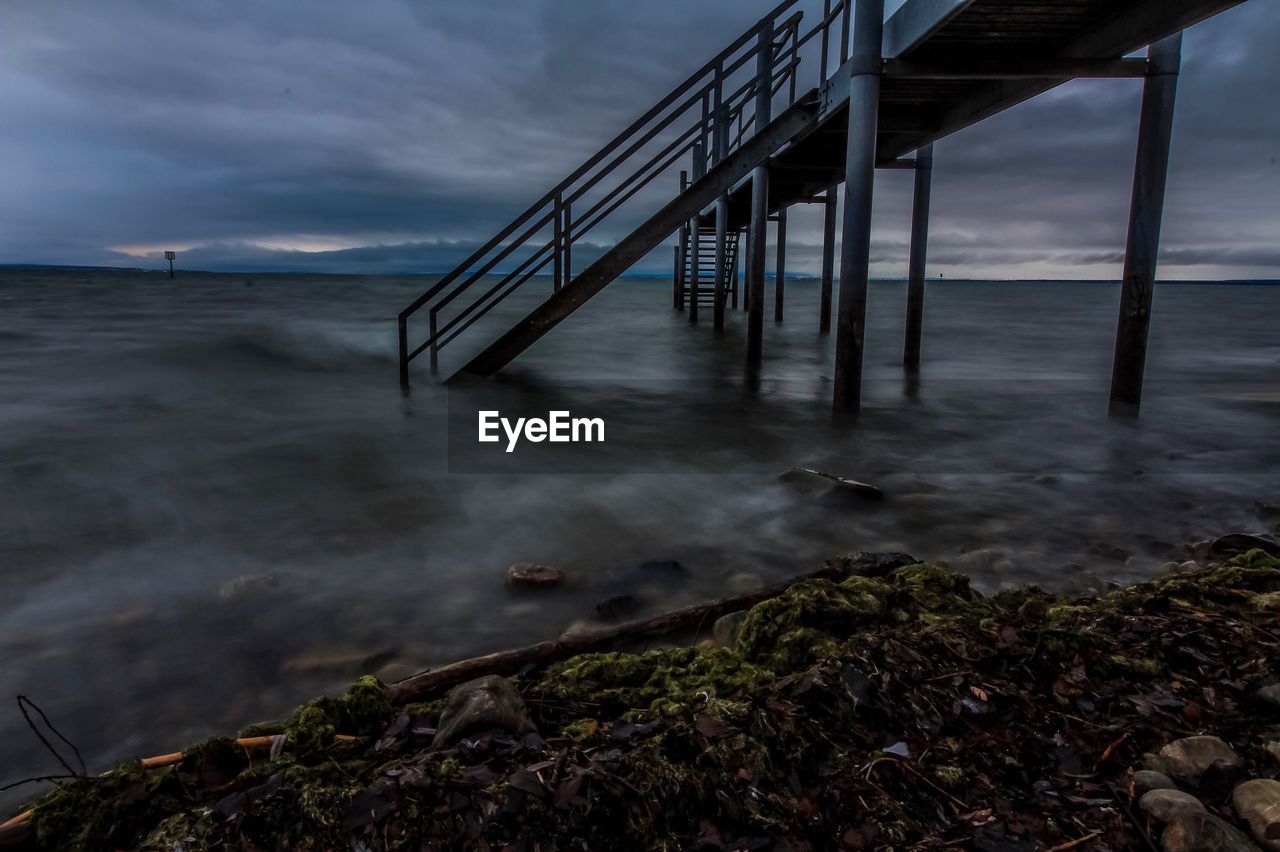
(618, 607)
(831, 487)
(1234, 544)
(1257, 802)
(1203, 833)
(486, 703)
(251, 587)
(743, 582)
(1189, 758)
(1166, 805)
(532, 575)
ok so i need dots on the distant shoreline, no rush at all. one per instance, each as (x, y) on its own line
(642, 276)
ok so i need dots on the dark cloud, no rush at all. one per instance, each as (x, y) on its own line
(395, 136)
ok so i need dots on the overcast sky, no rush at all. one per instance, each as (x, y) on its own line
(393, 136)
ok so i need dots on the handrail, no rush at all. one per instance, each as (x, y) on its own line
(557, 207)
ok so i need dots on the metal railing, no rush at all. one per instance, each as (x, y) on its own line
(721, 95)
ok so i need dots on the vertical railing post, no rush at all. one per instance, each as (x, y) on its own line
(759, 204)
(795, 63)
(860, 171)
(717, 116)
(844, 30)
(435, 344)
(826, 38)
(919, 252)
(568, 241)
(557, 240)
(402, 323)
(1150, 175)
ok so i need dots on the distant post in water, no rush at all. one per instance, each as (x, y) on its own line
(1146, 208)
(169, 256)
(919, 251)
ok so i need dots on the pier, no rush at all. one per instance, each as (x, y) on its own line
(810, 101)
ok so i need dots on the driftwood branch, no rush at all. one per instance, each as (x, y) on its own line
(691, 617)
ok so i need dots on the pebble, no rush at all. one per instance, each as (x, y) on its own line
(725, 630)
(1188, 758)
(743, 582)
(1273, 749)
(1257, 802)
(532, 575)
(1146, 780)
(485, 703)
(1165, 805)
(250, 586)
(1203, 833)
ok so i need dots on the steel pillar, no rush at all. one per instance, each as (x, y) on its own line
(682, 248)
(919, 251)
(695, 231)
(780, 276)
(759, 204)
(1145, 211)
(828, 261)
(722, 262)
(860, 171)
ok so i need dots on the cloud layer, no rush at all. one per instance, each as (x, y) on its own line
(394, 136)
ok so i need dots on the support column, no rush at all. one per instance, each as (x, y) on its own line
(1145, 211)
(682, 249)
(722, 259)
(919, 251)
(759, 204)
(780, 276)
(860, 171)
(828, 261)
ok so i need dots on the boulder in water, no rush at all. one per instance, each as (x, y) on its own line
(1233, 544)
(533, 575)
(830, 487)
(618, 607)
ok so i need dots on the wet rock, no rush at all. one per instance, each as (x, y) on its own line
(533, 575)
(340, 661)
(831, 487)
(618, 607)
(1106, 550)
(976, 561)
(743, 582)
(1166, 805)
(1273, 748)
(251, 587)
(1233, 544)
(1189, 758)
(1257, 802)
(725, 630)
(1203, 833)
(1146, 780)
(1270, 694)
(663, 570)
(486, 703)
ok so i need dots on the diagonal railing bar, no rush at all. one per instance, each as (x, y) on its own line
(708, 138)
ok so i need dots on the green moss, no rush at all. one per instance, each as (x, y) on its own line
(669, 675)
(950, 776)
(1139, 665)
(109, 811)
(793, 628)
(931, 588)
(362, 710)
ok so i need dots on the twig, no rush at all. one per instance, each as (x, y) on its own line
(1079, 841)
(23, 703)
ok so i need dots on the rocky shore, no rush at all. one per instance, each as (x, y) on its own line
(888, 707)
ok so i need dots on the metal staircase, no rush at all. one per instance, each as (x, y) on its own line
(712, 120)
(697, 275)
